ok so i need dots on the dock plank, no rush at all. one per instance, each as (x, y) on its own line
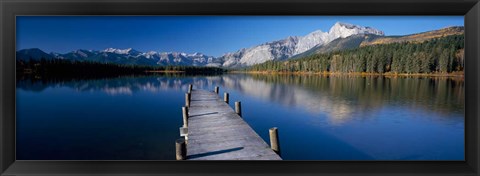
(216, 132)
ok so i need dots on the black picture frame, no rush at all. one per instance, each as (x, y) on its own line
(9, 9)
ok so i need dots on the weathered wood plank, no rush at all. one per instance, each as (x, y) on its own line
(216, 132)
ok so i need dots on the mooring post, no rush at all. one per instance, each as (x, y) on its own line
(225, 97)
(216, 89)
(190, 87)
(185, 116)
(181, 149)
(187, 99)
(274, 139)
(238, 108)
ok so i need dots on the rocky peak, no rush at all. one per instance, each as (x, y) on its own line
(342, 30)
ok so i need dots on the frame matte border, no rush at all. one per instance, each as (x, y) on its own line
(9, 9)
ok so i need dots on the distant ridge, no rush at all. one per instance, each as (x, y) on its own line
(361, 40)
(341, 36)
(123, 56)
(419, 37)
(293, 45)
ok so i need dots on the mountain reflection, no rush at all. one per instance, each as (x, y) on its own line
(336, 97)
(340, 96)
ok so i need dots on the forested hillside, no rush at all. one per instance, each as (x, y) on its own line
(67, 69)
(439, 55)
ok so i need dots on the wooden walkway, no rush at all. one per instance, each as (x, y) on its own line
(216, 132)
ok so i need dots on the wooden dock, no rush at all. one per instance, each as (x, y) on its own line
(217, 132)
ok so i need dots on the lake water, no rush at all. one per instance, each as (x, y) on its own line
(319, 117)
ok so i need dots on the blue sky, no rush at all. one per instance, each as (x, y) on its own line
(211, 35)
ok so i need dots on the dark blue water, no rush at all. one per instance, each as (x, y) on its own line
(319, 118)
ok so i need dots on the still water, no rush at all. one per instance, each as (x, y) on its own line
(319, 117)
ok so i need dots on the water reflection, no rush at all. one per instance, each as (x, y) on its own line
(341, 96)
(338, 97)
(344, 117)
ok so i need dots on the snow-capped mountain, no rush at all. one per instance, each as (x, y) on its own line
(286, 48)
(310, 40)
(343, 30)
(275, 50)
(128, 51)
(339, 30)
(124, 56)
(176, 58)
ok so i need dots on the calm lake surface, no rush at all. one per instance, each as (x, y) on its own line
(319, 117)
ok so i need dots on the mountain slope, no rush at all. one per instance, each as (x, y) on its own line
(275, 50)
(361, 40)
(442, 55)
(286, 48)
(341, 36)
(419, 37)
(338, 44)
(123, 56)
(34, 54)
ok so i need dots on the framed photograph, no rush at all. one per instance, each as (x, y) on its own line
(239, 87)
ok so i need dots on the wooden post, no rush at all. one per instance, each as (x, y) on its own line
(225, 97)
(185, 116)
(238, 108)
(274, 139)
(181, 149)
(190, 87)
(184, 133)
(187, 99)
(216, 89)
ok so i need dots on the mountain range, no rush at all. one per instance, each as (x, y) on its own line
(340, 36)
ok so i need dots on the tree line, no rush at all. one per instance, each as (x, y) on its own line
(67, 69)
(440, 55)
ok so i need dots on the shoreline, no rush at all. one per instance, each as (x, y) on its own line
(389, 74)
(164, 71)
